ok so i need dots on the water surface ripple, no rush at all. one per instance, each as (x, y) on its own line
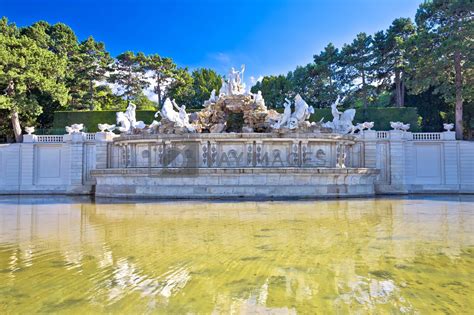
(385, 255)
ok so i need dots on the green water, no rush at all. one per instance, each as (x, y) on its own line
(379, 256)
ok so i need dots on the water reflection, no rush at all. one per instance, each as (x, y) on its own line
(379, 255)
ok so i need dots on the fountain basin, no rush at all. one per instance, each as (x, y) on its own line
(281, 182)
(299, 165)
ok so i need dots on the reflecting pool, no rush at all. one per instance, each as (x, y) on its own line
(384, 255)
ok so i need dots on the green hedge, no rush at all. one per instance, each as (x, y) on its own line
(381, 116)
(90, 119)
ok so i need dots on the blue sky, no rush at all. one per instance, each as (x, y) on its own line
(269, 36)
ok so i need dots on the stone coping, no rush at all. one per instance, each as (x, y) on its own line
(232, 171)
(236, 136)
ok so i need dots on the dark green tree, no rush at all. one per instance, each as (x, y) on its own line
(357, 65)
(326, 72)
(163, 71)
(303, 82)
(390, 55)
(431, 107)
(274, 90)
(27, 70)
(442, 53)
(129, 74)
(92, 62)
(204, 81)
(105, 99)
(181, 88)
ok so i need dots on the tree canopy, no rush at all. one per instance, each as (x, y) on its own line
(426, 63)
(433, 54)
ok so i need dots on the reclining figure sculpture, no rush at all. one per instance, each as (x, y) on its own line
(127, 121)
(342, 121)
(296, 119)
(179, 118)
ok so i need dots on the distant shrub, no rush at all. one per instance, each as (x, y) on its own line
(381, 116)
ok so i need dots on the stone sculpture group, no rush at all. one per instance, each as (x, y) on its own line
(234, 109)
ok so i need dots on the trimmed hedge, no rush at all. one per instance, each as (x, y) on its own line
(381, 116)
(90, 119)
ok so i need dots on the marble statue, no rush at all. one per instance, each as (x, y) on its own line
(284, 119)
(358, 127)
(235, 83)
(342, 121)
(184, 118)
(298, 118)
(368, 125)
(292, 123)
(104, 127)
(448, 127)
(362, 126)
(223, 91)
(173, 120)
(123, 122)
(130, 113)
(302, 110)
(259, 101)
(128, 121)
(213, 97)
(169, 113)
(405, 127)
(74, 128)
(29, 130)
(396, 125)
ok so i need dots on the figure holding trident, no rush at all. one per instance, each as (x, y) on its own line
(235, 85)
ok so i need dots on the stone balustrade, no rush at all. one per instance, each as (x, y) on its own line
(395, 161)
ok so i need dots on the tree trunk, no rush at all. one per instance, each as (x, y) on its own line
(459, 100)
(158, 92)
(402, 92)
(364, 91)
(91, 95)
(398, 92)
(16, 126)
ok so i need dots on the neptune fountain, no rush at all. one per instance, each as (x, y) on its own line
(235, 147)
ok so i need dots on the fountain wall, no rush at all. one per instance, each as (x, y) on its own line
(391, 162)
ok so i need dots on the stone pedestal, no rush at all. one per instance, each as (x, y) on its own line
(30, 138)
(101, 148)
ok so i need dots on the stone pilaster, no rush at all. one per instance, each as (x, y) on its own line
(102, 139)
(27, 162)
(76, 156)
(397, 161)
(370, 148)
(451, 163)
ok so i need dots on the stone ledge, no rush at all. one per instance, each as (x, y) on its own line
(235, 136)
(232, 171)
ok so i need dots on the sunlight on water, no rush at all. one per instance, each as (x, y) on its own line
(387, 255)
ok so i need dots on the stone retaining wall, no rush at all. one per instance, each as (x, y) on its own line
(399, 163)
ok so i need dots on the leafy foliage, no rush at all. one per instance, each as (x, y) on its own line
(129, 74)
(204, 81)
(427, 64)
(27, 71)
(274, 90)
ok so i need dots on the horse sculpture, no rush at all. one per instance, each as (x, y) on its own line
(124, 123)
(342, 121)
